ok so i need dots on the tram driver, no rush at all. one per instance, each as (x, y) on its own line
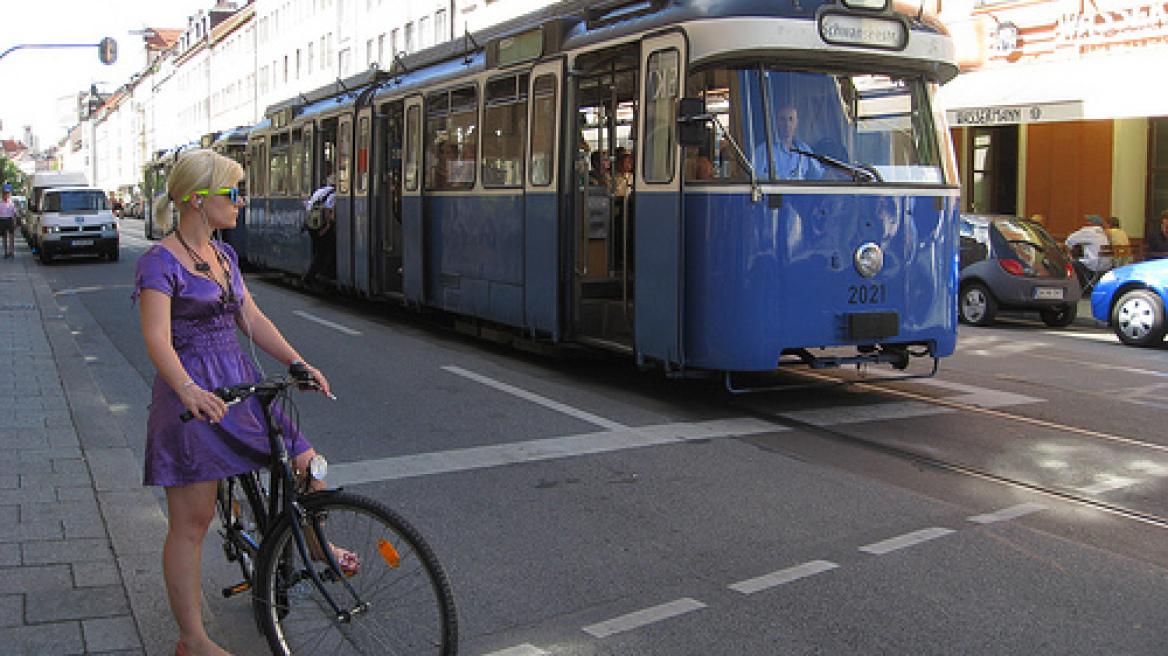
(789, 163)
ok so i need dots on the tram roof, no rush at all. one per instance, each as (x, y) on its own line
(570, 24)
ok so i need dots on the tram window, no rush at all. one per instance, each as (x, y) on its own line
(543, 130)
(451, 134)
(413, 118)
(344, 150)
(661, 87)
(504, 128)
(363, 155)
(278, 164)
(306, 164)
(734, 97)
(295, 161)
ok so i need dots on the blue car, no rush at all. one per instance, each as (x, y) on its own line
(1131, 299)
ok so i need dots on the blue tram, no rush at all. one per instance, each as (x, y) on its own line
(708, 185)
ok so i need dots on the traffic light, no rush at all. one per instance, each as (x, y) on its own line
(107, 51)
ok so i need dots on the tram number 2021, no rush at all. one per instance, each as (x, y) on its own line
(865, 294)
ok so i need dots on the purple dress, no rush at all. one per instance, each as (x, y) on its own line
(204, 336)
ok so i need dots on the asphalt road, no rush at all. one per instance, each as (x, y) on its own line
(1015, 503)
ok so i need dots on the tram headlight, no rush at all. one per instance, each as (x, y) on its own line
(869, 260)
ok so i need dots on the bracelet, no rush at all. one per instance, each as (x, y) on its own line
(188, 383)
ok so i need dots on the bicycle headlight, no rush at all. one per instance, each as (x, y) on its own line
(318, 467)
(869, 260)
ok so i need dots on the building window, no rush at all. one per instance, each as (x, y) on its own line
(1157, 173)
(993, 181)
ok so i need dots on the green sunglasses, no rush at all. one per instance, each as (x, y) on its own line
(233, 192)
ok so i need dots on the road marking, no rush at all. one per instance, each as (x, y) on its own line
(783, 577)
(325, 322)
(1006, 514)
(905, 541)
(860, 413)
(1094, 337)
(1109, 483)
(644, 617)
(520, 650)
(458, 460)
(535, 398)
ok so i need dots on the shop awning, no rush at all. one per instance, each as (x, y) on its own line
(1095, 87)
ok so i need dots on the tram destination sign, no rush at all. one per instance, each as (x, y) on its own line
(864, 31)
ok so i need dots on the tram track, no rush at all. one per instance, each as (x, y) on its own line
(838, 434)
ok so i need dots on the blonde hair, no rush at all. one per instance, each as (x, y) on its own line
(196, 170)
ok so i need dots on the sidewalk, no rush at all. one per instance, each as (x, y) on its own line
(80, 569)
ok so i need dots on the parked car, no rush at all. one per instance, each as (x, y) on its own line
(1131, 299)
(1010, 263)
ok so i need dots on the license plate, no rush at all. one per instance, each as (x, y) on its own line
(1049, 293)
(82, 242)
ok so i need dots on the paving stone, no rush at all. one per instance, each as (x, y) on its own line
(65, 551)
(110, 633)
(96, 574)
(75, 604)
(47, 577)
(11, 610)
(57, 639)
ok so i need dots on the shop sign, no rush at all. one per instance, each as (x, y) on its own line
(1016, 114)
(1127, 25)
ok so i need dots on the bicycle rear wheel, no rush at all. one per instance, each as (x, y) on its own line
(398, 601)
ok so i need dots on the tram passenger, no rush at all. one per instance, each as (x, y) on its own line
(791, 165)
(322, 232)
(623, 175)
(598, 175)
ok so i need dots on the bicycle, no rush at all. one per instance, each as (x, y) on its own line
(396, 600)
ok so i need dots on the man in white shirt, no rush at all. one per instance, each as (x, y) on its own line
(1090, 238)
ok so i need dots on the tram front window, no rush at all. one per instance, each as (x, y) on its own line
(801, 126)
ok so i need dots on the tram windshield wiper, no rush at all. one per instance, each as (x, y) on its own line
(860, 173)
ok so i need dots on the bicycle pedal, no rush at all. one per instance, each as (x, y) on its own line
(233, 590)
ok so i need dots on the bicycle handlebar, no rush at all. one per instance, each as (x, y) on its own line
(298, 374)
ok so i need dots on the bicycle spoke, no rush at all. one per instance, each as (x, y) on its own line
(397, 602)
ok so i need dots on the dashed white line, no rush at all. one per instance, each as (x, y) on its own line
(644, 617)
(1006, 514)
(325, 322)
(783, 577)
(905, 541)
(1109, 483)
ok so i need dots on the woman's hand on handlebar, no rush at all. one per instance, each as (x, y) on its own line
(202, 404)
(298, 369)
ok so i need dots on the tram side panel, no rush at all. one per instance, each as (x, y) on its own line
(474, 250)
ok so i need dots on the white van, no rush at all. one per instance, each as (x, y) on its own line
(41, 181)
(75, 220)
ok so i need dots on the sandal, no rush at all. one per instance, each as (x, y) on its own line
(347, 561)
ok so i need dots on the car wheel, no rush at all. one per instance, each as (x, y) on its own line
(978, 306)
(1138, 318)
(1060, 316)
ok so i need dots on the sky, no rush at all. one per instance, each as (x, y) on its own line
(32, 80)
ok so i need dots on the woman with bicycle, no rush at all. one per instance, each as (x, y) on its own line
(192, 298)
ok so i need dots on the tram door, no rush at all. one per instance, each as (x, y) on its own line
(413, 264)
(542, 202)
(387, 194)
(604, 272)
(362, 244)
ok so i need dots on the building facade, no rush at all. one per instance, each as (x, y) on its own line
(234, 60)
(1058, 112)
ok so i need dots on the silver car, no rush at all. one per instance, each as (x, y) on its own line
(1009, 263)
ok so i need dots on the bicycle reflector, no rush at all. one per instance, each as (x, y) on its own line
(389, 553)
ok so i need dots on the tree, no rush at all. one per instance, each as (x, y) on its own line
(11, 174)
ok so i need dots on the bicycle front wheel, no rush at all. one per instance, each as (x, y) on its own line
(396, 600)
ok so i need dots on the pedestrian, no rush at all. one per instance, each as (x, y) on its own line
(1090, 238)
(321, 226)
(1158, 238)
(192, 298)
(8, 222)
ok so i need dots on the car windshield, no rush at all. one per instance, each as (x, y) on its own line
(1031, 245)
(797, 125)
(75, 201)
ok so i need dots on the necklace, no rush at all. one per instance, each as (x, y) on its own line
(201, 266)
